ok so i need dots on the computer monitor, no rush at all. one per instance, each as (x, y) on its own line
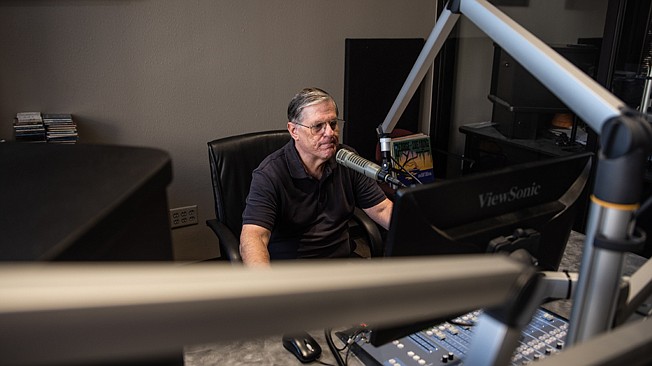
(530, 206)
(481, 212)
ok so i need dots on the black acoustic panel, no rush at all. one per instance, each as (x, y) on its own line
(375, 70)
(514, 84)
(523, 106)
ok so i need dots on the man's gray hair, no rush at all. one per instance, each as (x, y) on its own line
(306, 98)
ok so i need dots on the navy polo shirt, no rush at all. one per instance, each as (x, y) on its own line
(308, 218)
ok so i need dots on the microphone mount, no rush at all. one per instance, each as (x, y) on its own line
(384, 141)
(351, 160)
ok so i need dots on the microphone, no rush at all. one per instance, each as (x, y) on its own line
(363, 166)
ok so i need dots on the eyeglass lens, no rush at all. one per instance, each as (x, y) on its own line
(320, 128)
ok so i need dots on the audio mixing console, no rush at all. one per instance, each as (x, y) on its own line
(448, 343)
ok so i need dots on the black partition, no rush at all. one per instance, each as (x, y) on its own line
(624, 65)
(375, 70)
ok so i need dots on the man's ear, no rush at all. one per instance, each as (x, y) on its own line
(292, 129)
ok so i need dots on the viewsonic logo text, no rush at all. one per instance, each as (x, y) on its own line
(491, 199)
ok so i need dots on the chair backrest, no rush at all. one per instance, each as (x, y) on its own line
(232, 160)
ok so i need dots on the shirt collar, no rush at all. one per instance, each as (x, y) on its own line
(295, 166)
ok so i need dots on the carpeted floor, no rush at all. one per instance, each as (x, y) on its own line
(571, 262)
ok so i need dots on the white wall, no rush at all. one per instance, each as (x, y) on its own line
(174, 74)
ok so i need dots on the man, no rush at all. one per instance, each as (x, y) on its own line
(301, 200)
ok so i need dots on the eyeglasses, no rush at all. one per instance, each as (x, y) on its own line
(319, 128)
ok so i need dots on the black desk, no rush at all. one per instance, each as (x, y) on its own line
(83, 202)
(489, 149)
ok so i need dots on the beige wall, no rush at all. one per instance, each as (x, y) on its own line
(174, 74)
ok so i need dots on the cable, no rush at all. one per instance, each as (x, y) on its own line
(324, 363)
(331, 345)
(353, 338)
(570, 284)
(646, 205)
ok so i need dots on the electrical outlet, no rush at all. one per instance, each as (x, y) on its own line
(183, 216)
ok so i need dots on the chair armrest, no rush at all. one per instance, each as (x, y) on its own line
(376, 244)
(229, 244)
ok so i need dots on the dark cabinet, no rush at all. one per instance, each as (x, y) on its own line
(625, 68)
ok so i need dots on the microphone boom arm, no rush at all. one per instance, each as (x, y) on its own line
(626, 138)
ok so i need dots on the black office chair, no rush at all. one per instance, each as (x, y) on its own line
(232, 160)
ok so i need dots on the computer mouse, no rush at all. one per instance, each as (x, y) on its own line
(303, 346)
